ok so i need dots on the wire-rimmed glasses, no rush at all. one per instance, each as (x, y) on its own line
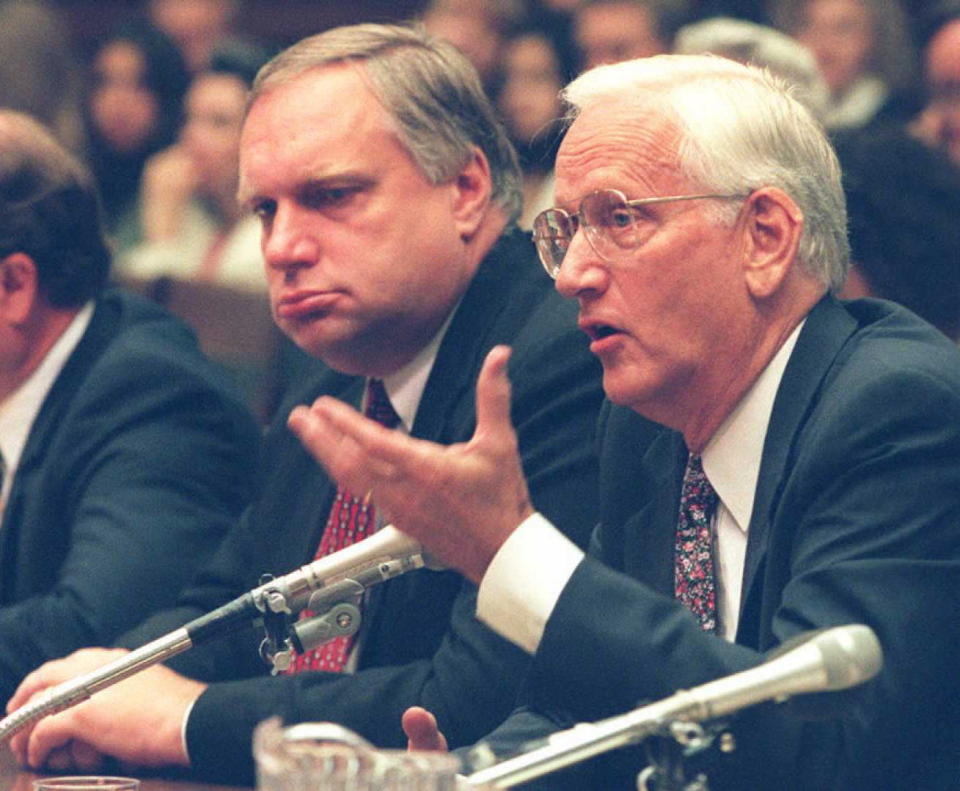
(613, 225)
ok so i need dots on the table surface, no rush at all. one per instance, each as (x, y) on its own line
(12, 778)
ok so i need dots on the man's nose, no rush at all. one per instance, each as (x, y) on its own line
(582, 269)
(289, 240)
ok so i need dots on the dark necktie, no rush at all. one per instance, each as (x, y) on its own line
(694, 583)
(351, 519)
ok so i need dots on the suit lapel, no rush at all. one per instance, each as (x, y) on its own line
(827, 329)
(47, 423)
(641, 462)
(492, 304)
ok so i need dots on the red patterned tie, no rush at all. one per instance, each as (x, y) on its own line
(694, 584)
(351, 520)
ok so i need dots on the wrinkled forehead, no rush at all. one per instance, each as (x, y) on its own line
(632, 146)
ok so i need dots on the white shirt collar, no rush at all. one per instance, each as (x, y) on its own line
(405, 387)
(731, 459)
(19, 410)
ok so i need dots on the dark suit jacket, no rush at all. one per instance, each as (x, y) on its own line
(856, 520)
(421, 642)
(139, 460)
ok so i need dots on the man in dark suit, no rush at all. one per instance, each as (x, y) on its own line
(805, 473)
(125, 455)
(387, 193)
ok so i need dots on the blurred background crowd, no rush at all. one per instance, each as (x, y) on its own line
(151, 94)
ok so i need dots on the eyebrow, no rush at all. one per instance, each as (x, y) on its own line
(343, 179)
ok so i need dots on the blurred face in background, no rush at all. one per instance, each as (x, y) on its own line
(124, 110)
(613, 32)
(195, 25)
(840, 33)
(943, 83)
(529, 99)
(471, 32)
(211, 132)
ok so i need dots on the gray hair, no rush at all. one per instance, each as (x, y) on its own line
(740, 130)
(759, 45)
(432, 92)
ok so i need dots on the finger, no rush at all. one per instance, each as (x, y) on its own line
(346, 442)
(44, 676)
(47, 736)
(493, 395)
(422, 732)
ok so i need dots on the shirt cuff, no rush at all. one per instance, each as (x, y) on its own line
(183, 730)
(524, 581)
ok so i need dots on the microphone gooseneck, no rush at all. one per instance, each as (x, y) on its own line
(831, 659)
(385, 554)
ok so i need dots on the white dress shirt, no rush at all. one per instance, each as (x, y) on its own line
(19, 409)
(528, 573)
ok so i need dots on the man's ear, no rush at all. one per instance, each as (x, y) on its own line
(472, 189)
(772, 235)
(18, 287)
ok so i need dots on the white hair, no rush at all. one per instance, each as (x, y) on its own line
(741, 129)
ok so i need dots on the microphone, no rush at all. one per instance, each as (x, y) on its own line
(386, 554)
(825, 660)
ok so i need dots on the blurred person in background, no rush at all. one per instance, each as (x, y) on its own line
(193, 227)
(39, 69)
(903, 202)
(134, 108)
(537, 63)
(939, 124)
(760, 45)
(477, 28)
(865, 54)
(609, 31)
(200, 28)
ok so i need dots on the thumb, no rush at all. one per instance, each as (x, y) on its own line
(493, 393)
(422, 732)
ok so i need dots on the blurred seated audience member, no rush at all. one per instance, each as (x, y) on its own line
(39, 70)
(609, 31)
(537, 63)
(939, 123)
(193, 228)
(865, 53)
(760, 45)
(201, 28)
(133, 110)
(903, 202)
(124, 456)
(477, 28)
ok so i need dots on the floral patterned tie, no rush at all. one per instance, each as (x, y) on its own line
(694, 584)
(351, 519)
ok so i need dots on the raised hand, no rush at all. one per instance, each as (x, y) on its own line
(460, 501)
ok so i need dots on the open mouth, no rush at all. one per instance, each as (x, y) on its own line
(597, 332)
(602, 331)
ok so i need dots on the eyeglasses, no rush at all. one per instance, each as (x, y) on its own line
(613, 225)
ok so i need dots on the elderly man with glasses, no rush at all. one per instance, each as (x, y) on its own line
(806, 472)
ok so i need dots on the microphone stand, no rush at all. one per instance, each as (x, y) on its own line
(585, 740)
(275, 601)
(831, 659)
